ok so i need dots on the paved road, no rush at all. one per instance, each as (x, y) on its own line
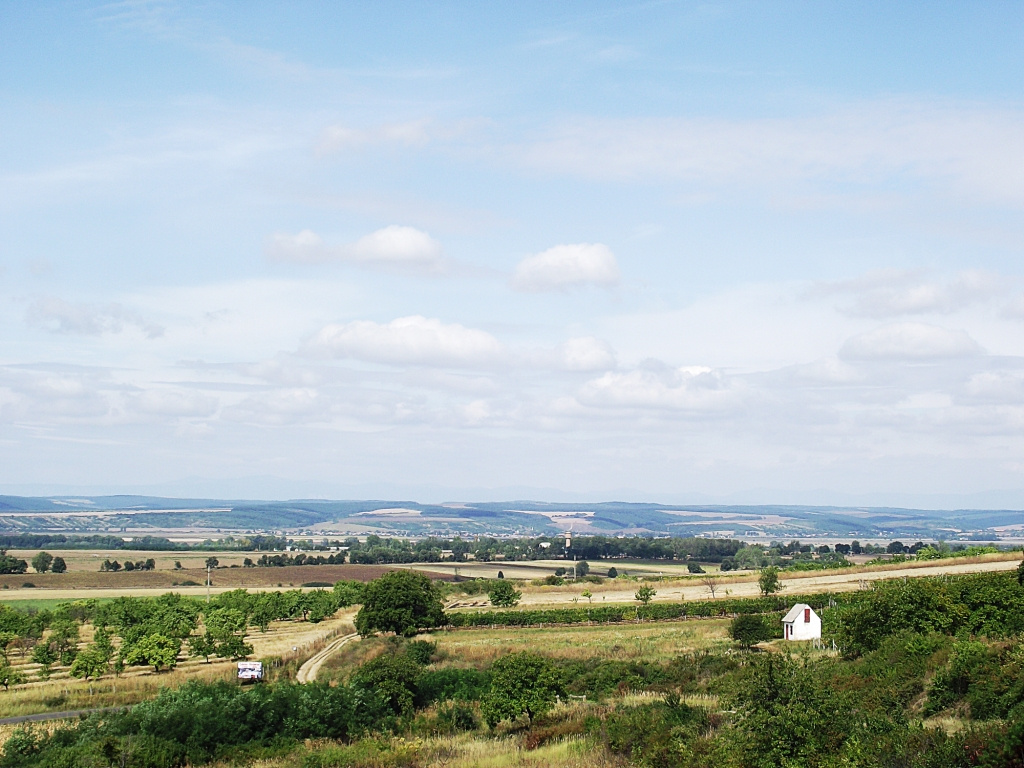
(54, 715)
(307, 672)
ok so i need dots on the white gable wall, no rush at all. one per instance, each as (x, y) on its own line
(801, 623)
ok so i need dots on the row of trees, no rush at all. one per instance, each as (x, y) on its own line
(155, 631)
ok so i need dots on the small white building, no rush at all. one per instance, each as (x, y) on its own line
(801, 623)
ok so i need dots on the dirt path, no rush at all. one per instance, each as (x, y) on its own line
(43, 716)
(802, 584)
(308, 671)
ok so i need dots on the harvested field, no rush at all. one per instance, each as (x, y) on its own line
(745, 584)
(222, 579)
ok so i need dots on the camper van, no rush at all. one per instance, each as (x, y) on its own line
(250, 670)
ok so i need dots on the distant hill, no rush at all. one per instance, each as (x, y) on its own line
(139, 515)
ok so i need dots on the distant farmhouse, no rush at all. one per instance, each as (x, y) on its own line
(801, 623)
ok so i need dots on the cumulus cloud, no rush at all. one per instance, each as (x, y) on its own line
(567, 266)
(393, 247)
(891, 293)
(59, 316)
(909, 341)
(586, 353)
(414, 340)
(658, 386)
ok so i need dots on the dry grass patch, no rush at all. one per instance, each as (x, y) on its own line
(648, 641)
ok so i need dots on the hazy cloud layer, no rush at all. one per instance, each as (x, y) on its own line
(910, 341)
(60, 316)
(412, 340)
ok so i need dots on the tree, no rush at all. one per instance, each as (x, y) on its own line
(768, 581)
(89, 663)
(501, 575)
(9, 564)
(392, 679)
(521, 684)
(177, 565)
(503, 594)
(6, 638)
(158, 651)
(400, 602)
(711, 581)
(42, 562)
(748, 629)
(582, 569)
(1020, 573)
(58, 565)
(202, 645)
(587, 594)
(645, 594)
(694, 568)
(43, 655)
(212, 562)
(10, 676)
(613, 572)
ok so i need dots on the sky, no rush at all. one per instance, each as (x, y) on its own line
(705, 252)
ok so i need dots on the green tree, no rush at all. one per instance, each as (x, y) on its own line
(42, 562)
(392, 679)
(645, 594)
(58, 565)
(10, 676)
(9, 564)
(322, 605)
(588, 594)
(582, 569)
(348, 592)
(158, 651)
(521, 684)
(233, 647)
(748, 629)
(503, 594)
(400, 602)
(65, 640)
(1020, 573)
(6, 639)
(44, 655)
(90, 663)
(212, 562)
(768, 581)
(202, 645)
(613, 572)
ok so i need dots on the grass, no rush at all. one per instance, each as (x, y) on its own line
(287, 641)
(659, 641)
(462, 751)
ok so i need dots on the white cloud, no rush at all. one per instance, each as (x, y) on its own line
(567, 266)
(59, 316)
(393, 247)
(412, 340)
(339, 138)
(909, 341)
(660, 387)
(586, 353)
(961, 147)
(892, 293)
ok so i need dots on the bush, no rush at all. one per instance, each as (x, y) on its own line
(749, 629)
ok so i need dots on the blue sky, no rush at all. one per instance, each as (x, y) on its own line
(762, 252)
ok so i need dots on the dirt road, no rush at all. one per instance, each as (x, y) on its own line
(804, 584)
(308, 671)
